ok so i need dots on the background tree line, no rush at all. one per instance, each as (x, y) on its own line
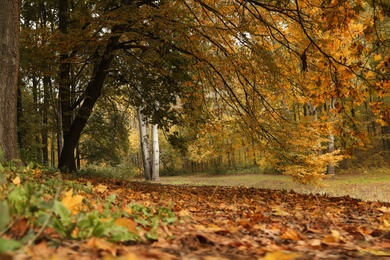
(289, 86)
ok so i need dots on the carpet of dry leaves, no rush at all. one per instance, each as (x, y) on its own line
(240, 223)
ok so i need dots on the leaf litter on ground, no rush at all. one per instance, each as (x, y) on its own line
(213, 222)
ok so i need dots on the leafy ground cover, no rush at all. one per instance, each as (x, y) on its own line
(48, 216)
(366, 184)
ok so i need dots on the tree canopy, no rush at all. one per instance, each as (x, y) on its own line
(287, 78)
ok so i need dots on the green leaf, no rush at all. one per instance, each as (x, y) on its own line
(30, 165)
(5, 214)
(111, 198)
(9, 245)
(121, 234)
(101, 229)
(62, 212)
(30, 234)
(18, 199)
(58, 226)
(152, 234)
(170, 220)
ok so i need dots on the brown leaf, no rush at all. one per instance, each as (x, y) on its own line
(42, 250)
(278, 211)
(384, 209)
(290, 234)
(101, 244)
(192, 209)
(20, 228)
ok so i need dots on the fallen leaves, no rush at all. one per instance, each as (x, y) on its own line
(291, 234)
(280, 255)
(333, 238)
(100, 188)
(212, 223)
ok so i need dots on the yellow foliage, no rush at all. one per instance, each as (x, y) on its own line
(71, 202)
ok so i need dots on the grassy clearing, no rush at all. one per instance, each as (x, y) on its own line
(367, 185)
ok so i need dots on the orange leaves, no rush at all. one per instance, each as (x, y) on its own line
(280, 255)
(231, 223)
(100, 188)
(101, 244)
(377, 57)
(291, 234)
(127, 223)
(333, 238)
(16, 181)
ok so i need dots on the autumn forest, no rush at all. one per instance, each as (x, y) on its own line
(181, 87)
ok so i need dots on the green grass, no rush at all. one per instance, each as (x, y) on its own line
(368, 185)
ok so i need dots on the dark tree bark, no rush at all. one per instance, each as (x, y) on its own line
(64, 75)
(45, 120)
(9, 67)
(92, 93)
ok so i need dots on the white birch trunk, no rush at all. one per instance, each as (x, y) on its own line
(155, 154)
(330, 169)
(144, 141)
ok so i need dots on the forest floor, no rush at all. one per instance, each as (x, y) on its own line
(222, 222)
(368, 185)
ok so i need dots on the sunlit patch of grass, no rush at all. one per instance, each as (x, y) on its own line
(119, 172)
(368, 185)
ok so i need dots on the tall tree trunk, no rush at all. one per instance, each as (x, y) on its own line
(155, 154)
(19, 118)
(330, 168)
(64, 76)
(36, 98)
(60, 134)
(144, 141)
(9, 68)
(45, 121)
(52, 150)
(92, 93)
(386, 141)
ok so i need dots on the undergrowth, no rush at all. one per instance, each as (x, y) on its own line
(36, 204)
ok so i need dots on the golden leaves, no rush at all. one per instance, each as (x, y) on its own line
(16, 181)
(291, 234)
(377, 57)
(127, 223)
(71, 202)
(100, 188)
(277, 210)
(333, 238)
(280, 255)
(101, 244)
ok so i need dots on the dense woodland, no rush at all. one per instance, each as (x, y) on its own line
(298, 87)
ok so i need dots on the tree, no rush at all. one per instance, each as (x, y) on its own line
(105, 138)
(155, 154)
(9, 67)
(144, 142)
(268, 62)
